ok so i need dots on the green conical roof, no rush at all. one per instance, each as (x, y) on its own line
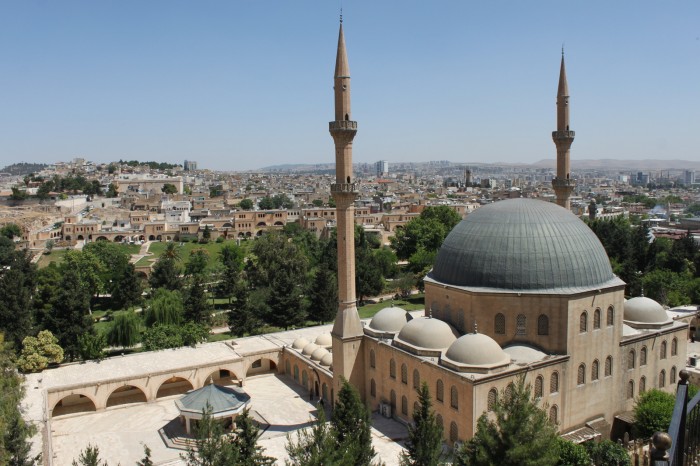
(219, 398)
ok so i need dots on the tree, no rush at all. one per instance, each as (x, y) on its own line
(91, 345)
(317, 203)
(89, 269)
(518, 433)
(195, 303)
(652, 413)
(243, 318)
(18, 280)
(572, 454)
(352, 425)
(169, 188)
(164, 308)
(245, 442)
(112, 191)
(11, 231)
(165, 274)
(427, 231)
(89, 457)
(197, 263)
(424, 444)
(313, 447)
(193, 333)
(231, 258)
(323, 296)
(608, 453)
(38, 352)
(246, 204)
(125, 330)
(128, 288)
(206, 234)
(18, 194)
(161, 337)
(211, 448)
(146, 461)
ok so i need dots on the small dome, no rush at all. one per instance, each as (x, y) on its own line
(426, 332)
(299, 343)
(308, 349)
(319, 354)
(324, 339)
(327, 359)
(644, 311)
(389, 319)
(476, 349)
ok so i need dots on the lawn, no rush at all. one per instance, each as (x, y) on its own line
(213, 248)
(414, 303)
(56, 255)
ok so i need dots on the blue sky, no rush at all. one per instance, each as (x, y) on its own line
(242, 84)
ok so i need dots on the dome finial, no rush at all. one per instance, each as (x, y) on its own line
(476, 329)
(341, 13)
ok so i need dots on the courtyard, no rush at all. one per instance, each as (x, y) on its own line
(121, 432)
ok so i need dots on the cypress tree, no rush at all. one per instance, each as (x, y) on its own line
(352, 425)
(424, 445)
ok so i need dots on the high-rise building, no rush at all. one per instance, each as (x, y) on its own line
(190, 165)
(689, 177)
(382, 168)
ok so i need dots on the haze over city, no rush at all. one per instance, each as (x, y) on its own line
(242, 85)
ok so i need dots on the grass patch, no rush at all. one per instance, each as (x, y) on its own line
(213, 248)
(56, 256)
(212, 337)
(413, 303)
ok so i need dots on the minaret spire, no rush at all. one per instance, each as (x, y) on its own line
(347, 330)
(563, 137)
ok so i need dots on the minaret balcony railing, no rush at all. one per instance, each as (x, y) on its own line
(563, 134)
(342, 125)
(344, 188)
(563, 183)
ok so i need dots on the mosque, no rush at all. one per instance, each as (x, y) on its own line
(519, 287)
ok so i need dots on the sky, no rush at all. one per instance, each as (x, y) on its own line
(244, 84)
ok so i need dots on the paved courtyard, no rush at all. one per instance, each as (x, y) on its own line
(121, 432)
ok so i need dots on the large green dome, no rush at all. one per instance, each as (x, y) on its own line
(522, 244)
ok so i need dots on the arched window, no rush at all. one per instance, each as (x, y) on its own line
(440, 391)
(581, 379)
(630, 359)
(674, 347)
(662, 379)
(521, 325)
(296, 373)
(454, 397)
(630, 389)
(493, 396)
(392, 401)
(672, 376)
(539, 386)
(510, 388)
(583, 322)
(543, 325)
(392, 369)
(372, 388)
(643, 356)
(372, 359)
(662, 352)
(611, 316)
(404, 374)
(404, 406)
(642, 385)
(608, 366)
(454, 433)
(596, 319)
(499, 324)
(416, 379)
(287, 367)
(595, 368)
(439, 420)
(416, 407)
(554, 383)
(554, 415)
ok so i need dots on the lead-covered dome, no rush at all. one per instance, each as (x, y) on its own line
(389, 319)
(522, 244)
(642, 310)
(426, 336)
(475, 352)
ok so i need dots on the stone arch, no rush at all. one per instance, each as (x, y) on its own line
(248, 234)
(151, 238)
(279, 224)
(126, 394)
(74, 403)
(118, 239)
(101, 238)
(261, 224)
(227, 225)
(68, 237)
(159, 238)
(261, 366)
(260, 233)
(222, 376)
(241, 234)
(81, 237)
(174, 386)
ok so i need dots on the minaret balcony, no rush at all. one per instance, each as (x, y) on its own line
(563, 183)
(563, 134)
(342, 125)
(350, 188)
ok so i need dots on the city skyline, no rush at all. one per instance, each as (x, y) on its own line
(238, 86)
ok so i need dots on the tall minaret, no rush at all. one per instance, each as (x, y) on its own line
(347, 330)
(563, 137)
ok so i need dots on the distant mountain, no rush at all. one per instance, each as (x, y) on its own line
(23, 168)
(628, 165)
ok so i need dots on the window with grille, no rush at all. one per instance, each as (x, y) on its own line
(454, 397)
(416, 379)
(493, 396)
(543, 325)
(674, 347)
(372, 359)
(454, 433)
(372, 388)
(630, 390)
(539, 386)
(440, 391)
(554, 415)
(520, 325)
(554, 383)
(594, 370)
(662, 352)
(581, 379)
(438, 418)
(672, 376)
(499, 324)
(404, 374)
(630, 359)
(509, 391)
(416, 407)
(608, 366)
(642, 385)
(404, 406)
(393, 401)
(643, 356)
(611, 316)
(596, 319)
(662, 379)
(392, 369)
(583, 322)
